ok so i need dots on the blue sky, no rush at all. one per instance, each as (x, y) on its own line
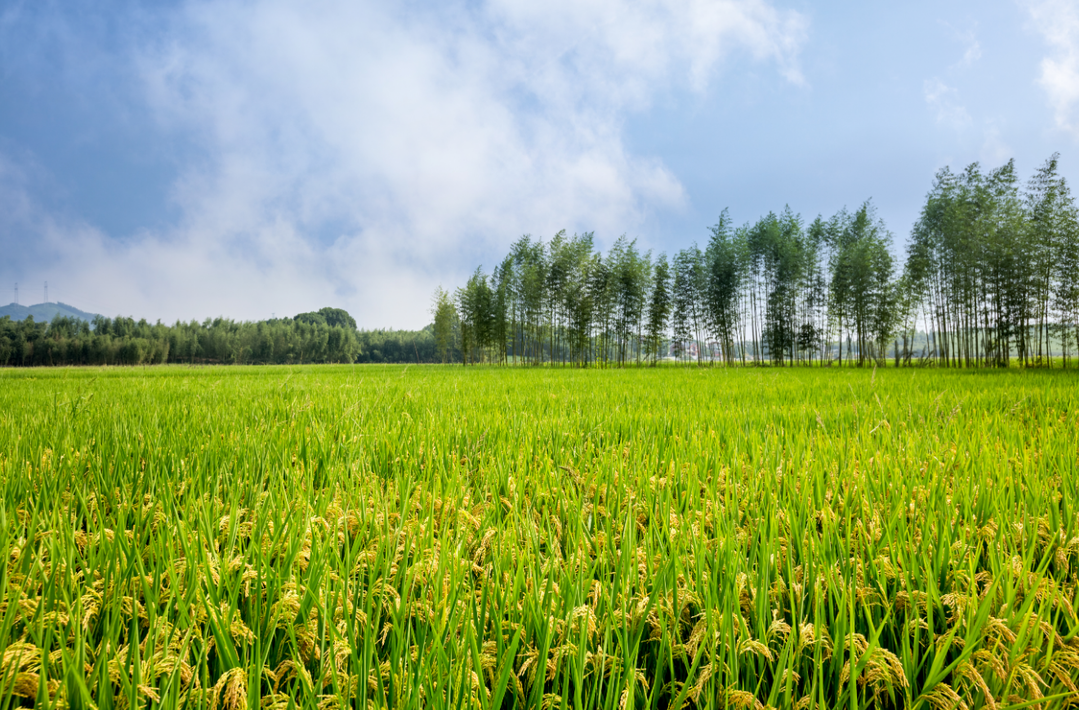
(181, 160)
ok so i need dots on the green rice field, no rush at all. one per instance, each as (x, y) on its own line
(437, 537)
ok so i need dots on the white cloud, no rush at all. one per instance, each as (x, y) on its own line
(994, 151)
(153, 275)
(943, 100)
(973, 53)
(358, 153)
(1058, 22)
(973, 48)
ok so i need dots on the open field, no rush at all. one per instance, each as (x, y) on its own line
(447, 537)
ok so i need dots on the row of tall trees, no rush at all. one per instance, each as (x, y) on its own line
(990, 275)
(993, 269)
(775, 290)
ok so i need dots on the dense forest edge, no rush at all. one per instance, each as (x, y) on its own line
(990, 278)
(325, 336)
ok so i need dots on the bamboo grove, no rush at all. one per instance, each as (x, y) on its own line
(991, 277)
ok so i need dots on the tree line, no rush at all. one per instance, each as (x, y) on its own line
(402, 346)
(325, 336)
(991, 276)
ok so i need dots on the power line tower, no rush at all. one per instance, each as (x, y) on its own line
(46, 292)
(16, 293)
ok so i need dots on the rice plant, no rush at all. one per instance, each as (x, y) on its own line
(408, 537)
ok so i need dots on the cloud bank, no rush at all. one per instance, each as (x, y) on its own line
(1058, 22)
(359, 153)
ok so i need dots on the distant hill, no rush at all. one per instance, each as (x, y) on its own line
(44, 312)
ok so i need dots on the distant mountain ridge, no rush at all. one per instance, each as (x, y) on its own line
(44, 312)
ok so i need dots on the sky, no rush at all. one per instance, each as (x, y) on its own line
(249, 159)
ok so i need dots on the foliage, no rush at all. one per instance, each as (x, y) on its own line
(405, 346)
(445, 325)
(659, 307)
(333, 317)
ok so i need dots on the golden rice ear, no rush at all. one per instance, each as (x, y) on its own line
(25, 685)
(275, 701)
(230, 691)
(20, 657)
(741, 700)
(974, 680)
(944, 697)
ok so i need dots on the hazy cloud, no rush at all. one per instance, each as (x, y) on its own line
(1058, 22)
(972, 51)
(943, 101)
(402, 139)
(154, 275)
(995, 151)
(358, 153)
